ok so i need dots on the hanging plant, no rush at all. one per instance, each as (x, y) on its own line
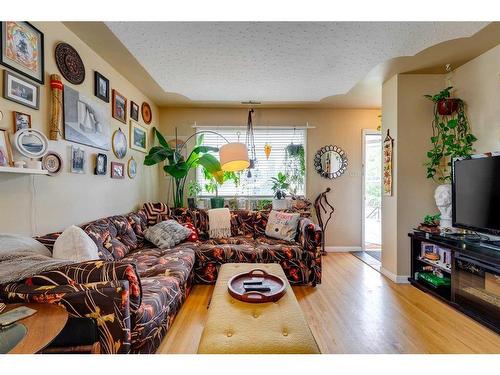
(295, 166)
(451, 135)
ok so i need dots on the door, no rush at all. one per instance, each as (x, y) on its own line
(372, 191)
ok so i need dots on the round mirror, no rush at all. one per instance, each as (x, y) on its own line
(31, 143)
(330, 161)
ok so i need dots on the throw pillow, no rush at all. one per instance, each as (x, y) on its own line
(166, 234)
(282, 225)
(155, 212)
(194, 236)
(76, 245)
(13, 243)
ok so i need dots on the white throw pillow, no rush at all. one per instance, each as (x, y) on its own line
(76, 245)
(14, 243)
(167, 234)
(282, 225)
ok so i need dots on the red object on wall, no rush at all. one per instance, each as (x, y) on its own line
(447, 106)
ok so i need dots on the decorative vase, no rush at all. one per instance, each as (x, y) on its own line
(442, 195)
(446, 107)
(216, 202)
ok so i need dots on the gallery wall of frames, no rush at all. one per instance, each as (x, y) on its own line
(66, 112)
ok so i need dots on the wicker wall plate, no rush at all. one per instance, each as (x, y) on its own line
(70, 63)
(147, 115)
(52, 163)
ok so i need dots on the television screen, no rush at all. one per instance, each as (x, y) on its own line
(476, 194)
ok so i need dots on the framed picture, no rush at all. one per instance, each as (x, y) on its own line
(117, 170)
(101, 87)
(138, 137)
(31, 143)
(5, 149)
(101, 164)
(86, 121)
(119, 105)
(119, 144)
(22, 49)
(77, 160)
(20, 90)
(21, 121)
(134, 111)
(132, 168)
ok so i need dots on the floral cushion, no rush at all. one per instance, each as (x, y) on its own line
(194, 236)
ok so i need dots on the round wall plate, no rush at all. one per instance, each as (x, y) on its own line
(147, 114)
(52, 163)
(70, 63)
(31, 143)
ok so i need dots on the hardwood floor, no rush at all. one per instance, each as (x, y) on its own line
(357, 310)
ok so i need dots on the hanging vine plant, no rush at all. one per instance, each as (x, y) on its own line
(451, 135)
(295, 166)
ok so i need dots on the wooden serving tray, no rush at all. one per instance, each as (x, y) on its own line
(276, 283)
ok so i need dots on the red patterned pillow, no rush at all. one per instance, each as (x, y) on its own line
(194, 236)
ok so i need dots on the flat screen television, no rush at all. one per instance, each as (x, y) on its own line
(476, 194)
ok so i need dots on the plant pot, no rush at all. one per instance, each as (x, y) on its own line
(280, 204)
(216, 202)
(442, 195)
(192, 202)
(446, 107)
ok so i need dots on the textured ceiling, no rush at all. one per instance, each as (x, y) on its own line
(274, 61)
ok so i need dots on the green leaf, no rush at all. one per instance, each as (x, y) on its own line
(177, 171)
(452, 124)
(156, 155)
(161, 139)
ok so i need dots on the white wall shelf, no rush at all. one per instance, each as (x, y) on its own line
(23, 170)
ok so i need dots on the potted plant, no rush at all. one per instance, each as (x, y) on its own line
(178, 167)
(451, 138)
(213, 184)
(430, 223)
(194, 188)
(295, 166)
(279, 187)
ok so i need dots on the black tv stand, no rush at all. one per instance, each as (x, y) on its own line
(471, 272)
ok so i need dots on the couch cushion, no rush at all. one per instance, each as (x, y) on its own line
(155, 212)
(199, 218)
(138, 221)
(242, 223)
(161, 300)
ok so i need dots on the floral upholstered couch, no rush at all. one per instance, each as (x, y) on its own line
(135, 290)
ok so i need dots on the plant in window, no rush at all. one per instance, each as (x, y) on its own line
(295, 166)
(280, 185)
(194, 188)
(178, 167)
(213, 184)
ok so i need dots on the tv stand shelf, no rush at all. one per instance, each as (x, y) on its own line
(474, 266)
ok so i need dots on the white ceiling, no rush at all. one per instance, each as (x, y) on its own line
(274, 61)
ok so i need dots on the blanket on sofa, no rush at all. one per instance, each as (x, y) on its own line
(219, 223)
(22, 257)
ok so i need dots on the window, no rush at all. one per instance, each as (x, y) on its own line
(259, 184)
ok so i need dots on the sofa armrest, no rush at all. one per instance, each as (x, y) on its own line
(310, 235)
(106, 302)
(94, 272)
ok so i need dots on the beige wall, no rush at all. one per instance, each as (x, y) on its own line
(338, 127)
(39, 204)
(478, 84)
(408, 115)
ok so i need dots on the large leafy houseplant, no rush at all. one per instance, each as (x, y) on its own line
(280, 185)
(451, 135)
(178, 167)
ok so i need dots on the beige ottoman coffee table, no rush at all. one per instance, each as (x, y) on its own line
(235, 327)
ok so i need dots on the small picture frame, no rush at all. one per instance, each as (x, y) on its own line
(117, 170)
(119, 107)
(132, 168)
(138, 137)
(101, 164)
(134, 111)
(77, 160)
(119, 143)
(21, 121)
(21, 91)
(101, 87)
(5, 149)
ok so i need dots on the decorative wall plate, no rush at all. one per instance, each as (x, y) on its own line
(147, 114)
(31, 143)
(132, 168)
(52, 163)
(119, 144)
(70, 63)
(330, 161)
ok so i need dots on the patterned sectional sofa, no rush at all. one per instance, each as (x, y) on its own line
(135, 290)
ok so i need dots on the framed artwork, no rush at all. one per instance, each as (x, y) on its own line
(119, 144)
(387, 155)
(119, 104)
(147, 114)
(132, 168)
(86, 121)
(19, 90)
(5, 149)
(77, 160)
(22, 49)
(134, 111)
(117, 170)
(138, 137)
(21, 121)
(101, 87)
(101, 164)
(31, 143)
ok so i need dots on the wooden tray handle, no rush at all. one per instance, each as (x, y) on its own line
(254, 295)
(256, 271)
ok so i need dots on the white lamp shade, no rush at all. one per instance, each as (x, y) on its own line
(234, 157)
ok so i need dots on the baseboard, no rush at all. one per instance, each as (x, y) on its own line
(398, 279)
(342, 249)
